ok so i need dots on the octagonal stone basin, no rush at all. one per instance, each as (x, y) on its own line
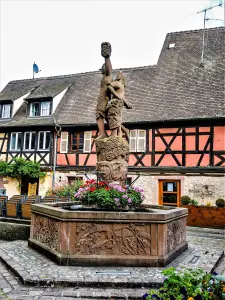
(104, 238)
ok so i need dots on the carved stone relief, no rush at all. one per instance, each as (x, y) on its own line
(112, 239)
(46, 231)
(176, 233)
(112, 158)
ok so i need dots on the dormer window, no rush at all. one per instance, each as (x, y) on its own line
(5, 111)
(40, 109)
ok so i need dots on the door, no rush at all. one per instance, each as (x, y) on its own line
(169, 192)
(24, 185)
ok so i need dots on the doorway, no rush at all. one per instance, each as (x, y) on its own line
(29, 186)
(169, 192)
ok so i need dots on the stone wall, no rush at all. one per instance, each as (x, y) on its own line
(204, 188)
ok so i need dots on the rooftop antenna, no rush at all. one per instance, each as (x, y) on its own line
(205, 19)
(35, 69)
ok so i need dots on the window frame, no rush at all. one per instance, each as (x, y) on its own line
(40, 104)
(137, 138)
(41, 108)
(78, 142)
(16, 143)
(44, 142)
(30, 140)
(31, 104)
(2, 109)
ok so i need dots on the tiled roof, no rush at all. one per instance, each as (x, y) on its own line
(179, 87)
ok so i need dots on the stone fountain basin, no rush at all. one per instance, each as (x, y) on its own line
(104, 238)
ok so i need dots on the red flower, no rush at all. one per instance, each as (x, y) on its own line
(107, 188)
(92, 189)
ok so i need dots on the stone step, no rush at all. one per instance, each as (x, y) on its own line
(66, 294)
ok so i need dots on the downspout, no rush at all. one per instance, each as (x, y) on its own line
(57, 132)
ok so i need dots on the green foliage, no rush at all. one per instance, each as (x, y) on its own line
(21, 167)
(66, 190)
(187, 284)
(193, 202)
(220, 202)
(185, 200)
(109, 196)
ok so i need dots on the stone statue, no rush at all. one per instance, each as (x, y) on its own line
(107, 108)
(104, 94)
(115, 105)
(113, 151)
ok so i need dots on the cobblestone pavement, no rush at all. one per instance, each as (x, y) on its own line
(11, 287)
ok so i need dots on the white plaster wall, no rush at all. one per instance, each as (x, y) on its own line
(57, 99)
(12, 187)
(18, 102)
(45, 184)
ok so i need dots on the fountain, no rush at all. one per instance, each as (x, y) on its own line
(89, 237)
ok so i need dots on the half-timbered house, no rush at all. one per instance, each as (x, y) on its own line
(177, 124)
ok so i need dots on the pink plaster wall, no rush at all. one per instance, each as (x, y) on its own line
(61, 159)
(168, 160)
(219, 138)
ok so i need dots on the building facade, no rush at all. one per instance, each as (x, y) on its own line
(177, 124)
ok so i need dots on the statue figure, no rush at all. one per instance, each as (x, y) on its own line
(113, 151)
(104, 94)
(115, 105)
(108, 87)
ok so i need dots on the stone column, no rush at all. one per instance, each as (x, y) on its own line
(112, 158)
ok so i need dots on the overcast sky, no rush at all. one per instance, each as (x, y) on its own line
(64, 37)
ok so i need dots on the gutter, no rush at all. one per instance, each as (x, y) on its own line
(58, 131)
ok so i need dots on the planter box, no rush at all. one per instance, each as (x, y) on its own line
(203, 216)
(108, 238)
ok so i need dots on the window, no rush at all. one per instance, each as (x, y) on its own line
(29, 141)
(77, 142)
(129, 180)
(6, 110)
(71, 179)
(40, 109)
(137, 140)
(81, 141)
(64, 142)
(171, 45)
(34, 109)
(43, 140)
(45, 108)
(16, 141)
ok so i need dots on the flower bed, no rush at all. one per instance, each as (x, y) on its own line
(109, 195)
(203, 216)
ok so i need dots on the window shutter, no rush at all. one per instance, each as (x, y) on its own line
(87, 141)
(141, 141)
(132, 142)
(64, 142)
